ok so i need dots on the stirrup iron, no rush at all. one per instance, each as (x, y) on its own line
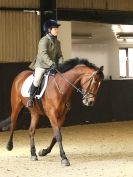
(30, 103)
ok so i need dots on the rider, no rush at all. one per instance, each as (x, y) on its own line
(49, 55)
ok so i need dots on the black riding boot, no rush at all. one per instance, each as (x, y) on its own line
(33, 91)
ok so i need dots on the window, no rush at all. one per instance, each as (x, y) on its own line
(126, 62)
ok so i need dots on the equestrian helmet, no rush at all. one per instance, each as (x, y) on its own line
(50, 24)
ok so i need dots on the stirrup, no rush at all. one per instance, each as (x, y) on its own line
(30, 103)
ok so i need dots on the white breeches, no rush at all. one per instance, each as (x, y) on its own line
(37, 76)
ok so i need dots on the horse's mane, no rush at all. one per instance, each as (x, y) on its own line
(71, 63)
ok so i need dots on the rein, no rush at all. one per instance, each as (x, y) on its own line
(76, 88)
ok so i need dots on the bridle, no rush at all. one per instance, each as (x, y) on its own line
(84, 93)
(91, 78)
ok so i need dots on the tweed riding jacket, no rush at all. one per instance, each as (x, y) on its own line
(49, 52)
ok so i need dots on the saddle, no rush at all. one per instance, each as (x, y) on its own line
(43, 84)
(43, 79)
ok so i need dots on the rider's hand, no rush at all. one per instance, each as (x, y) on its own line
(53, 67)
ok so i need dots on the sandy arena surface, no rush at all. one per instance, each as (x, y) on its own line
(94, 150)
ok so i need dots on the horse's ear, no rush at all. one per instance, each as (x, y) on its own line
(100, 72)
(101, 68)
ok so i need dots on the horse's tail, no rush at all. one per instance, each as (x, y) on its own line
(5, 124)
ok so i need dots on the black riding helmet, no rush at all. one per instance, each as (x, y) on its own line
(50, 24)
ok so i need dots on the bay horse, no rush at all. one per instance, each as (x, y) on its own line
(56, 100)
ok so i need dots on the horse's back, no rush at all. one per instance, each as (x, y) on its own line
(19, 79)
(23, 74)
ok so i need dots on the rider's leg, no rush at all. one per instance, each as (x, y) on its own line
(37, 77)
(33, 91)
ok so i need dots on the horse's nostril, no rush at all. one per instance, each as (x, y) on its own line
(91, 103)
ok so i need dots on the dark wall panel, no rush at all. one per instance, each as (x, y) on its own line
(122, 99)
(8, 72)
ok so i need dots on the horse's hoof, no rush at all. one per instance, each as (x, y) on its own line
(34, 158)
(43, 152)
(65, 162)
(9, 147)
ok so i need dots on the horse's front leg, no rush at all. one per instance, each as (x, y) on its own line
(34, 121)
(64, 159)
(44, 152)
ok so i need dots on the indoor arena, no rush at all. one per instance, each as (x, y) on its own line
(66, 101)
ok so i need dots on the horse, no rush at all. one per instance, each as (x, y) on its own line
(56, 100)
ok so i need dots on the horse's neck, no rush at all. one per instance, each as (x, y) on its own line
(66, 82)
(74, 75)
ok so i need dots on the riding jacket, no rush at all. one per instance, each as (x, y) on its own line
(49, 52)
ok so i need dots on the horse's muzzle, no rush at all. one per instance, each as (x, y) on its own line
(87, 102)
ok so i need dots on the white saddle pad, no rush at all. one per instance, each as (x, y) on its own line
(26, 86)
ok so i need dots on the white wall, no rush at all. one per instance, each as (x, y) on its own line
(113, 58)
(106, 53)
(97, 54)
(65, 38)
(100, 54)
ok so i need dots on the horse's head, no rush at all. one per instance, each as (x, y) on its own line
(90, 84)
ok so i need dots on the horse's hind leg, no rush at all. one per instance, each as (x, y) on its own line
(34, 121)
(14, 115)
